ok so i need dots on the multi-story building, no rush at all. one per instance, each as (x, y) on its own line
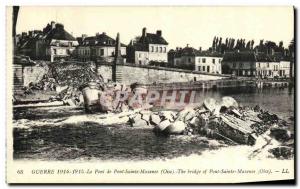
(97, 48)
(210, 63)
(251, 64)
(148, 48)
(53, 43)
(198, 60)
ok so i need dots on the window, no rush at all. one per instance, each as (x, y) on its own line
(213, 60)
(152, 49)
(207, 68)
(165, 49)
(199, 60)
(203, 60)
(268, 64)
(160, 49)
(101, 52)
(156, 49)
(54, 51)
(189, 60)
(241, 64)
(140, 55)
(70, 44)
(203, 68)
(199, 68)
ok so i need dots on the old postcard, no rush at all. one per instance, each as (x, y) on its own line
(150, 94)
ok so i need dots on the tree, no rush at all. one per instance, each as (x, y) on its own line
(252, 44)
(248, 47)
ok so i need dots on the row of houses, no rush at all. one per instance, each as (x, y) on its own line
(54, 43)
(255, 65)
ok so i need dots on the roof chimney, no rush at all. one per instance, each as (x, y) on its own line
(200, 49)
(158, 32)
(187, 45)
(31, 33)
(83, 36)
(103, 33)
(52, 24)
(144, 34)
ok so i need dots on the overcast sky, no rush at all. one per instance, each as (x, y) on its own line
(195, 26)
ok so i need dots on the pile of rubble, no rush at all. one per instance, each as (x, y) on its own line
(73, 74)
(67, 79)
(223, 120)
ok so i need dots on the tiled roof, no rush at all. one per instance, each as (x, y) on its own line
(239, 56)
(190, 51)
(249, 57)
(59, 33)
(99, 40)
(152, 38)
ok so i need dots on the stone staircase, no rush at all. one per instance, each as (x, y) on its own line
(18, 79)
(119, 75)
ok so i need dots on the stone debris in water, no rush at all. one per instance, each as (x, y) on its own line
(234, 124)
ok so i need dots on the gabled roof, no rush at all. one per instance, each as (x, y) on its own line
(59, 33)
(152, 38)
(99, 40)
(248, 57)
(239, 56)
(190, 51)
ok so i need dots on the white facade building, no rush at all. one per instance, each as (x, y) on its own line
(148, 48)
(209, 64)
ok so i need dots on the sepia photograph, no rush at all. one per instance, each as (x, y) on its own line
(150, 94)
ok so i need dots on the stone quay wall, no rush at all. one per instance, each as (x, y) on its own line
(128, 74)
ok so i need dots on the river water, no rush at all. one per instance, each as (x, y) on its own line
(88, 140)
